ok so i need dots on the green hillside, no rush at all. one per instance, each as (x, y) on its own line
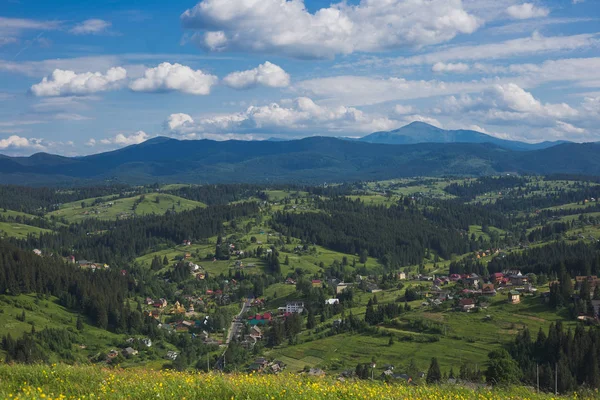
(107, 208)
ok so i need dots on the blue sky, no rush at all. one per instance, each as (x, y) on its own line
(80, 77)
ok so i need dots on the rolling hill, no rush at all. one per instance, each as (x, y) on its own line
(309, 160)
(420, 132)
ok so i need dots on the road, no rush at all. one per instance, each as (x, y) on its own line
(236, 326)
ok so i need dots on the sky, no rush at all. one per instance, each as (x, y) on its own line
(87, 76)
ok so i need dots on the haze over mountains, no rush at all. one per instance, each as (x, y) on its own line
(309, 160)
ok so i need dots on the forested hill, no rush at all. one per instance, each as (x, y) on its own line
(310, 160)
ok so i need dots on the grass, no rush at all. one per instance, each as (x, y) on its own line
(464, 337)
(20, 231)
(47, 313)
(61, 381)
(111, 209)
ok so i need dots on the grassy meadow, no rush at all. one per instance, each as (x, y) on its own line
(83, 382)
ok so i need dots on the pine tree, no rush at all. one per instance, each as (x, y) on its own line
(434, 375)
(165, 261)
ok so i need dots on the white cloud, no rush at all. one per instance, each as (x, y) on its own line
(514, 98)
(91, 27)
(71, 117)
(266, 74)
(65, 83)
(526, 11)
(12, 28)
(300, 115)
(174, 77)
(179, 121)
(123, 140)
(403, 110)
(535, 44)
(288, 28)
(91, 142)
(422, 118)
(18, 142)
(449, 67)
(362, 90)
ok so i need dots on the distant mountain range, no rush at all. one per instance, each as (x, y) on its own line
(309, 160)
(420, 132)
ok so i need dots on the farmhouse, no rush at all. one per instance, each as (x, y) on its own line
(466, 304)
(514, 297)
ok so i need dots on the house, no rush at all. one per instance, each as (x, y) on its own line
(514, 297)
(187, 242)
(112, 354)
(488, 289)
(466, 304)
(331, 302)
(71, 259)
(341, 287)
(256, 332)
(160, 303)
(147, 342)
(37, 252)
(290, 281)
(473, 280)
(592, 280)
(259, 319)
(171, 355)
(316, 372)
(149, 301)
(496, 277)
(316, 283)
(455, 277)
(517, 279)
(187, 256)
(401, 276)
(129, 352)
(294, 307)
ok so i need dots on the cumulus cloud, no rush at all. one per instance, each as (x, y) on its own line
(123, 140)
(91, 27)
(301, 115)
(65, 83)
(17, 142)
(288, 28)
(449, 67)
(174, 77)
(266, 74)
(526, 11)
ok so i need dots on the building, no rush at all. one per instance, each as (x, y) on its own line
(294, 307)
(130, 352)
(466, 304)
(316, 283)
(340, 287)
(401, 276)
(171, 355)
(514, 297)
(332, 302)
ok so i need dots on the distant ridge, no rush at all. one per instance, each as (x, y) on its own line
(421, 132)
(310, 160)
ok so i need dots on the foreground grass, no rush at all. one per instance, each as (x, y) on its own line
(59, 382)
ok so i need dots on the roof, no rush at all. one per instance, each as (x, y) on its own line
(466, 302)
(514, 293)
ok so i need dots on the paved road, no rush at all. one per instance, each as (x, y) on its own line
(236, 326)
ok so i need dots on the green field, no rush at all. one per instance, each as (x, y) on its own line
(20, 230)
(61, 381)
(46, 313)
(123, 208)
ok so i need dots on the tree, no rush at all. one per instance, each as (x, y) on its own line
(287, 260)
(391, 341)
(434, 375)
(165, 261)
(502, 368)
(363, 256)
(79, 324)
